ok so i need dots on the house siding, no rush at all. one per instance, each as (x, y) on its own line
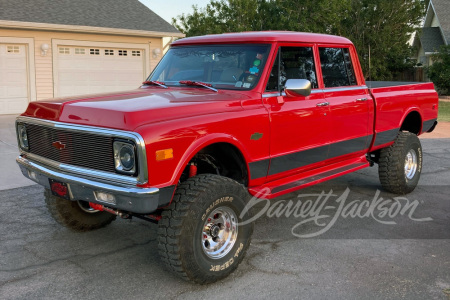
(44, 64)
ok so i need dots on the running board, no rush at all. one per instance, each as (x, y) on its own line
(290, 184)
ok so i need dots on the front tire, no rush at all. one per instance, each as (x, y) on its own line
(400, 164)
(76, 215)
(200, 236)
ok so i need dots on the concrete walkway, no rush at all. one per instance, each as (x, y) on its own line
(10, 175)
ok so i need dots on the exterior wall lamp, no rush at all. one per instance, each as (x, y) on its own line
(44, 49)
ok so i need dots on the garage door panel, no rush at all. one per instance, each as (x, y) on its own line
(84, 70)
(75, 76)
(16, 63)
(14, 93)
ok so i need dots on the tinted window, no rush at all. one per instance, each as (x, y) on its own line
(292, 63)
(337, 68)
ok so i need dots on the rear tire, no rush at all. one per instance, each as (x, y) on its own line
(200, 236)
(76, 215)
(400, 164)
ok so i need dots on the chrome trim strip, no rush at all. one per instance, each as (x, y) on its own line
(315, 91)
(29, 165)
(99, 175)
(271, 94)
(325, 90)
(142, 177)
(276, 94)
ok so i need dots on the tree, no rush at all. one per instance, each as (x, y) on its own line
(383, 25)
(227, 16)
(439, 71)
(320, 16)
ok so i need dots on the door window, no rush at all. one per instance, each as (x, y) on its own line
(292, 63)
(337, 67)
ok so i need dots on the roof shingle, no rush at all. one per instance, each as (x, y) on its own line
(123, 14)
(442, 10)
(431, 39)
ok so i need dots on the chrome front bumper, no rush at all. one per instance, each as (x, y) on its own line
(128, 198)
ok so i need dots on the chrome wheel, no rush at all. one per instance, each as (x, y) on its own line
(220, 232)
(410, 164)
(86, 207)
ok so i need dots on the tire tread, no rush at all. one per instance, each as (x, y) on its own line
(170, 225)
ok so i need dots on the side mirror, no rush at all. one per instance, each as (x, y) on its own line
(297, 87)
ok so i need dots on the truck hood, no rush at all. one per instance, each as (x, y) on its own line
(131, 109)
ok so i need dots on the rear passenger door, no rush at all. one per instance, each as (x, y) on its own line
(351, 106)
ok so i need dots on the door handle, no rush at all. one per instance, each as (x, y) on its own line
(323, 104)
(361, 99)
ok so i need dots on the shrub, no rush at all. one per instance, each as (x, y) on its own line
(439, 71)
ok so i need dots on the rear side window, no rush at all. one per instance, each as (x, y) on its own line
(337, 67)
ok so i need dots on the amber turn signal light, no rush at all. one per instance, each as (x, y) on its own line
(164, 154)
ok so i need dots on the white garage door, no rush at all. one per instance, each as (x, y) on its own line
(86, 70)
(13, 79)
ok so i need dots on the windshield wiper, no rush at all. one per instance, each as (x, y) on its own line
(158, 83)
(198, 83)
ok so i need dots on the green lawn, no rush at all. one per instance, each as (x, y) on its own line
(444, 111)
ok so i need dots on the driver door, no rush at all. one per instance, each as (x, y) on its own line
(300, 126)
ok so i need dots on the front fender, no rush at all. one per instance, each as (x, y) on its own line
(188, 136)
(203, 142)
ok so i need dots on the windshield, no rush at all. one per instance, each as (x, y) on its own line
(223, 66)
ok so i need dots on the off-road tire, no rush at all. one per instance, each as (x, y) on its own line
(181, 237)
(69, 214)
(391, 169)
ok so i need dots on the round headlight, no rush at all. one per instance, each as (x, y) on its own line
(23, 137)
(126, 155)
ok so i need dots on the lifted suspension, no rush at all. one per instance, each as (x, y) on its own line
(125, 215)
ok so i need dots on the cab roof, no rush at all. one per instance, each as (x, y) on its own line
(263, 37)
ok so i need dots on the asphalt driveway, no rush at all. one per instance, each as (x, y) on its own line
(377, 255)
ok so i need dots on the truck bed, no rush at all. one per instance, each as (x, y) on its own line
(394, 101)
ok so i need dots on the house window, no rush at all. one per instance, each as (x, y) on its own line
(80, 51)
(123, 53)
(136, 53)
(64, 50)
(13, 49)
(109, 52)
(94, 51)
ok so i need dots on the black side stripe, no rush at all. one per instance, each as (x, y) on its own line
(298, 159)
(259, 169)
(349, 146)
(386, 136)
(306, 157)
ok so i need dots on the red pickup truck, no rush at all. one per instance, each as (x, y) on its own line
(221, 118)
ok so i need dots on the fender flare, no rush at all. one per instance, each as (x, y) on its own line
(407, 112)
(203, 142)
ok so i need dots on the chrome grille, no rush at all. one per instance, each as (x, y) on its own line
(80, 149)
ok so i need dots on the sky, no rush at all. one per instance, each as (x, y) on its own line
(168, 9)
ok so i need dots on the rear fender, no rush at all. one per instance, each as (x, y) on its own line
(407, 112)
